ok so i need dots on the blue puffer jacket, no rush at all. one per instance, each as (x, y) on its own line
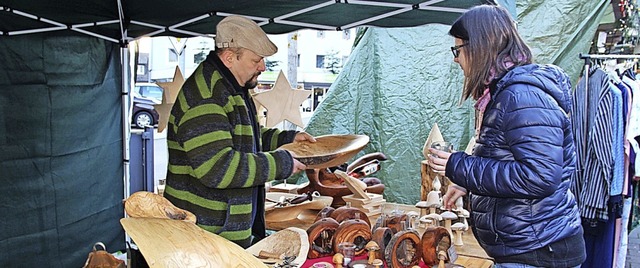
(518, 176)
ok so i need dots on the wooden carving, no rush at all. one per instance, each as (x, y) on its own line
(327, 151)
(320, 238)
(382, 236)
(403, 250)
(434, 240)
(290, 244)
(357, 232)
(149, 205)
(349, 213)
(324, 212)
(394, 222)
(329, 184)
(173, 243)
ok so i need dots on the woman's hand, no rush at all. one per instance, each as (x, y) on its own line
(304, 136)
(438, 160)
(453, 193)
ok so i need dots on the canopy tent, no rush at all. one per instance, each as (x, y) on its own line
(123, 21)
(63, 104)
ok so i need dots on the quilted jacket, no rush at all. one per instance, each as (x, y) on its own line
(518, 177)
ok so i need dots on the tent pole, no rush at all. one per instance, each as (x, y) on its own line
(126, 100)
(126, 130)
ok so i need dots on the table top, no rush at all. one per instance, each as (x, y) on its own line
(469, 255)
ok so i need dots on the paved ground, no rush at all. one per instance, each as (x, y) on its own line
(633, 252)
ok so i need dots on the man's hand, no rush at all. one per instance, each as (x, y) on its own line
(304, 136)
(297, 166)
(453, 193)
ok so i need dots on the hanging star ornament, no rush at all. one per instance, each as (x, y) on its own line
(283, 102)
(170, 92)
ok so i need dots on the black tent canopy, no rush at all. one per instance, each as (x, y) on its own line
(123, 21)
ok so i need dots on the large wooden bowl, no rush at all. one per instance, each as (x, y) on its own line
(328, 150)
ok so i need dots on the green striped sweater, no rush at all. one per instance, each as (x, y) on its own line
(213, 168)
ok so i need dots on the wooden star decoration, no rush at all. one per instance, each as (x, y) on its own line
(170, 92)
(283, 102)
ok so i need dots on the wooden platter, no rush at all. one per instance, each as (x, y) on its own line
(289, 243)
(306, 209)
(175, 243)
(328, 150)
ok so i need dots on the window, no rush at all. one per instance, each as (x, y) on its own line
(298, 60)
(142, 69)
(173, 55)
(320, 61)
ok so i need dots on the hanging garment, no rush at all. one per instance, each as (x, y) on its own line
(593, 123)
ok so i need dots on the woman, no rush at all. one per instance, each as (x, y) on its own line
(518, 177)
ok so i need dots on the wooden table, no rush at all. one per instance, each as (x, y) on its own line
(469, 255)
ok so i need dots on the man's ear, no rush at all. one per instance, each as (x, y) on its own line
(227, 57)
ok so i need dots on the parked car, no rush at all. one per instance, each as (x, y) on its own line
(149, 90)
(144, 114)
(145, 95)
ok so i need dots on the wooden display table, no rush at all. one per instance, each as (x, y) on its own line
(469, 255)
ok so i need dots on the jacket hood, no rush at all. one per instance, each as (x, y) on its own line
(549, 78)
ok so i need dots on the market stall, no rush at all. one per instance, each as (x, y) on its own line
(64, 159)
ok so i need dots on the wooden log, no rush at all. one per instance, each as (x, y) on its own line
(426, 181)
(427, 176)
(403, 251)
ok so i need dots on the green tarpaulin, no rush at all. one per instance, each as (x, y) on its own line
(399, 82)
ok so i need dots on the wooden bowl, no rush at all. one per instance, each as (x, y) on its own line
(144, 204)
(328, 150)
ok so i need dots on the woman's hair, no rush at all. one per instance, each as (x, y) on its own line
(493, 46)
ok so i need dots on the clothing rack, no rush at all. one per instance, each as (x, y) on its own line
(587, 64)
(588, 57)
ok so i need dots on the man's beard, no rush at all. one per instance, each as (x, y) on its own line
(253, 82)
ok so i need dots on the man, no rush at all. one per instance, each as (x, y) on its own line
(219, 157)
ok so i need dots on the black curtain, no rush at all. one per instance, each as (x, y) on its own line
(61, 170)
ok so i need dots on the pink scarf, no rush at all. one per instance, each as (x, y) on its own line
(480, 106)
(481, 103)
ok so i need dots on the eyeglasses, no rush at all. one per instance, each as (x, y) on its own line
(456, 49)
